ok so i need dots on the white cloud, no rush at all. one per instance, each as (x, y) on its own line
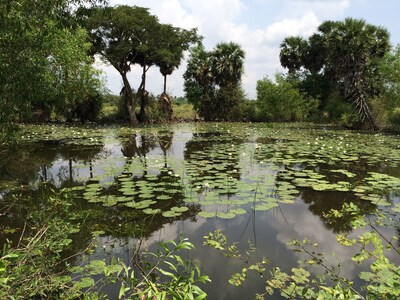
(313, 229)
(324, 9)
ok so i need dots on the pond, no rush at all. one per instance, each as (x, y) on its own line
(266, 184)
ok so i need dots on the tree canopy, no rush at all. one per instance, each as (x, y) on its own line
(127, 35)
(44, 67)
(346, 53)
(213, 81)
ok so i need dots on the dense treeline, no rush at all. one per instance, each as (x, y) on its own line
(346, 72)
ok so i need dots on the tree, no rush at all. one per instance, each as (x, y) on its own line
(197, 77)
(162, 45)
(353, 48)
(116, 32)
(43, 61)
(347, 53)
(386, 107)
(175, 41)
(128, 35)
(213, 81)
(282, 101)
(228, 60)
(293, 50)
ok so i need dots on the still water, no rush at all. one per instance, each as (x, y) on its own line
(257, 183)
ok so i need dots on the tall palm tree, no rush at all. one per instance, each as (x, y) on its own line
(293, 52)
(172, 44)
(353, 47)
(166, 70)
(228, 61)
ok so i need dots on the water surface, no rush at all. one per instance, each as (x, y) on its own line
(257, 183)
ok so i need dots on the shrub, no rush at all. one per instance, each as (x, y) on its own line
(153, 112)
(394, 118)
(184, 112)
(282, 101)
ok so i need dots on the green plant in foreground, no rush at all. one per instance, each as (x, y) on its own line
(40, 266)
(382, 281)
(163, 275)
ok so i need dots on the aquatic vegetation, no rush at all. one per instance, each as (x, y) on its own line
(130, 183)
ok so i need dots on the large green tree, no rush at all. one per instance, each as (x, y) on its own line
(127, 35)
(228, 61)
(44, 65)
(213, 81)
(347, 53)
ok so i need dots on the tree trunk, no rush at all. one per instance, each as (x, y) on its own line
(165, 84)
(355, 92)
(129, 101)
(143, 97)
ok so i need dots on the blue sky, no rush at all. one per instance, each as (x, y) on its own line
(259, 26)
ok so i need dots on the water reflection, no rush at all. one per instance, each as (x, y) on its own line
(160, 183)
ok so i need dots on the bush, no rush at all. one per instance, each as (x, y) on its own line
(250, 111)
(282, 101)
(380, 112)
(394, 118)
(340, 111)
(184, 112)
(229, 104)
(351, 120)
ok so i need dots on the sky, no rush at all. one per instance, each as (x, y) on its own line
(259, 26)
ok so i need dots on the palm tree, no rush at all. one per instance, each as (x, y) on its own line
(352, 48)
(166, 70)
(293, 52)
(172, 43)
(228, 61)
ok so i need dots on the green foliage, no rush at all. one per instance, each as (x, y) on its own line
(395, 118)
(44, 65)
(282, 101)
(39, 265)
(212, 82)
(347, 54)
(35, 267)
(127, 35)
(154, 113)
(382, 281)
(180, 276)
(386, 105)
(292, 54)
(184, 112)
(350, 119)
(113, 110)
